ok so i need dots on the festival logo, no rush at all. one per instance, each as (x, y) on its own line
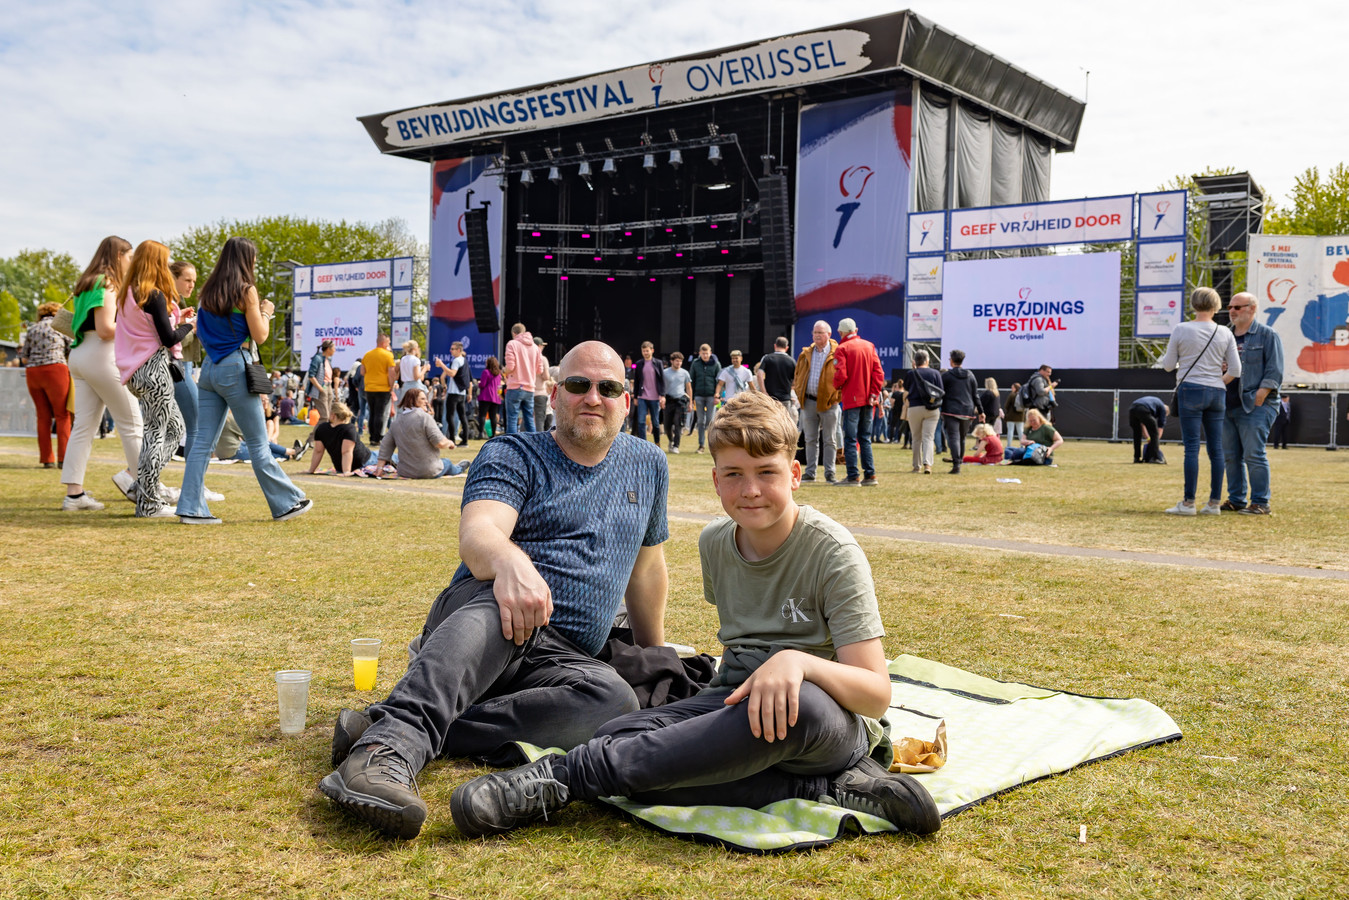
(462, 245)
(656, 74)
(1162, 207)
(852, 181)
(927, 229)
(1278, 293)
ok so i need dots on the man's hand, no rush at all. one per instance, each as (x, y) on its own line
(1261, 395)
(774, 692)
(524, 598)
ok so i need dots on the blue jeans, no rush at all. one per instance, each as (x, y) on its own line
(1244, 437)
(223, 386)
(1202, 407)
(700, 751)
(448, 467)
(470, 692)
(645, 407)
(703, 408)
(242, 454)
(857, 430)
(519, 405)
(185, 395)
(361, 413)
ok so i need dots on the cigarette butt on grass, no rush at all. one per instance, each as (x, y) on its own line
(1081, 834)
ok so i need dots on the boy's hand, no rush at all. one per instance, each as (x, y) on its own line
(774, 692)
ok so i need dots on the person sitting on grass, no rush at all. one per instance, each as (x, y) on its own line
(792, 710)
(414, 441)
(343, 442)
(987, 446)
(1040, 431)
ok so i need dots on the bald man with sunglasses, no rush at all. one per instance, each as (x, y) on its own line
(557, 529)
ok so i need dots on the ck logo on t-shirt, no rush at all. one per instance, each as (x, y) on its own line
(632, 496)
(792, 611)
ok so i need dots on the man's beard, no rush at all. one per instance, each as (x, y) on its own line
(592, 437)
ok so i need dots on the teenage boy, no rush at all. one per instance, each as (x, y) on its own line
(791, 712)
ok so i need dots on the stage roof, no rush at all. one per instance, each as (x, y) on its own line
(899, 42)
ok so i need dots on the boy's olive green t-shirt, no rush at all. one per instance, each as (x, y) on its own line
(813, 594)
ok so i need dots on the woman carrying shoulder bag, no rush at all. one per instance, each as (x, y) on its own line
(228, 315)
(145, 331)
(1206, 355)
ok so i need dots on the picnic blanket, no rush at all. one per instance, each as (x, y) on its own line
(1000, 735)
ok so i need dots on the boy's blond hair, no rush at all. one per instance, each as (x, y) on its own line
(754, 422)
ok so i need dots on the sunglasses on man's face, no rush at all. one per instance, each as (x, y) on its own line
(579, 384)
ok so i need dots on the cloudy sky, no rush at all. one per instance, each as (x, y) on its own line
(145, 119)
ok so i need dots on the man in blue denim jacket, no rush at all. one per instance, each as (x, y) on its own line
(1252, 405)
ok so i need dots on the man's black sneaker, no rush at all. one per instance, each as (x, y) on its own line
(1255, 509)
(497, 803)
(805, 478)
(893, 796)
(350, 725)
(377, 785)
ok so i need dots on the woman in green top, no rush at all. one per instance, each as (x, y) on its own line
(1040, 431)
(93, 368)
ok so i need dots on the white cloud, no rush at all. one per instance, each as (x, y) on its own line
(147, 118)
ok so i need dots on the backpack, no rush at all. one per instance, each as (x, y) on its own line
(932, 395)
(1022, 401)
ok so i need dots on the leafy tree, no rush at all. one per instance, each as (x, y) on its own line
(9, 317)
(308, 242)
(1318, 207)
(36, 276)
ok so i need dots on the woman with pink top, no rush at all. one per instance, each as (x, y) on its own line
(489, 396)
(145, 332)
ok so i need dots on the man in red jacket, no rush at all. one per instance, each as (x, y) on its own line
(860, 379)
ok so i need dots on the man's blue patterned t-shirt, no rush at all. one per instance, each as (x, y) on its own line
(580, 525)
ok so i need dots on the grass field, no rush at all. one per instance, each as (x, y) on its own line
(142, 756)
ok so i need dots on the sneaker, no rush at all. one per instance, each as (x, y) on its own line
(464, 464)
(1256, 509)
(378, 786)
(1229, 506)
(169, 494)
(199, 520)
(301, 450)
(295, 511)
(211, 496)
(807, 478)
(849, 482)
(494, 804)
(126, 483)
(1180, 509)
(347, 730)
(164, 512)
(870, 481)
(674, 449)
(1210, 509)
(83, 501)
(702, 450)
(897, 798)
(927, 470)
(830, 478)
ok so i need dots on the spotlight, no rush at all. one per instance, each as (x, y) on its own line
(714, 154)
(649, 162)
(554, 175)
(610, 167)
(584, 169)
(676, 158)
(526, 178)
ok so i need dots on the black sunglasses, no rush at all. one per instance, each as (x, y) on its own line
(579, 384)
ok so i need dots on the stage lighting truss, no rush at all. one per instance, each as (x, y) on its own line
(711, 221)
(612, 274)
(648, 151)
(721, 248)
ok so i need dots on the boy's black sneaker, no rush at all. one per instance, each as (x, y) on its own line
(377, 785)
(898, 798)
(350, 725)
(497, 803)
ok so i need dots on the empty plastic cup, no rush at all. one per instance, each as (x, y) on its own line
(292, 699)
(365, 662)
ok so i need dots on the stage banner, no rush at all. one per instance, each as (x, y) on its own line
(924, 320)
(451, 297)
(1162, 215)
(366, 275)
(302, 280)
(1021, 312)
(927, 232)
(402, 303)
(402, 271)
(1042, 224)
(296, 338)
(1302, 287)
(925, 277)
(400, 333)
(1161, 264)
(350, 322)
(1156, 313)
(852, 196)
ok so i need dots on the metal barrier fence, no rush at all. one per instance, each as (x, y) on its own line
(1317, 419)
(17, 416)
